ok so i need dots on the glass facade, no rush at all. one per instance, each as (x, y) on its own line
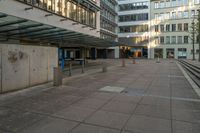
(133, 17)
(108, 19)
(134, 28)
(133, 6)
(67, 8)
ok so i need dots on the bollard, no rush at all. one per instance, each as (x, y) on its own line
(123, 62)
(70, 69)
(133, 61)
(158, 60)
(83, 65)
(104, 68)
(57, 76)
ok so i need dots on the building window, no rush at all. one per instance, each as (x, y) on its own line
(133, 17)
(173, 3)
(185, 2)
(180, 2)
(134, 28)
(180, 40)
(162, 28)
(167, 39)
(196, 1)
(185, 14)
(173, 39)
(162, 40)
(156, 28)
(180, 14)
(133, 6)
(162, 16)
(168, 27)
(173, 15)
(186, 39)
(179, 27)
(197, 51)
(185, 26)
(156, 40)
(167, 15)
(192, 13)
(173, 27)
(162, 4)
(167, 3)
(156, 5)
(156, 16)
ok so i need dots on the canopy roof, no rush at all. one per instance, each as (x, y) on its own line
(26, 30)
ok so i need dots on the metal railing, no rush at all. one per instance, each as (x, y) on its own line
(193, 71)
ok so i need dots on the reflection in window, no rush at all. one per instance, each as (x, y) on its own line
(66, 8)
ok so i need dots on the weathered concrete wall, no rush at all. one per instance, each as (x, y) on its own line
(24, 66)
(0, 69)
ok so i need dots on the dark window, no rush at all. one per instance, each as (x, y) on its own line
(133, 17)
(156, 28)
(186, 39)
(179, 27)
(168, 27)
(162, 40)
(185, 26)
(162, 28)
(173, 27)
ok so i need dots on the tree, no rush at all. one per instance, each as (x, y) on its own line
(195, 30)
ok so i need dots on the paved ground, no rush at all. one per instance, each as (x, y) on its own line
(157, 99)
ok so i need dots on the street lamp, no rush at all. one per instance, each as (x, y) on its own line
(193, 39)
(199, 31)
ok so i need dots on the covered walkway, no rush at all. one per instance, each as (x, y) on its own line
(146, 97)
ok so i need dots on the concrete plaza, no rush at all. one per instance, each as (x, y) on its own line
(154, 98)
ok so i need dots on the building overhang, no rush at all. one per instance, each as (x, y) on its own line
(31, 32)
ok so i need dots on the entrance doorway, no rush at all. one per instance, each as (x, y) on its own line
(138, 54)
(182, 53)
(170, 52)
(158, 53)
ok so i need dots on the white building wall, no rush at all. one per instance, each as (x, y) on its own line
(135, 34)
(188, 7)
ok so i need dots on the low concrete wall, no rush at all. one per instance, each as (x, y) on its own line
(24, 66)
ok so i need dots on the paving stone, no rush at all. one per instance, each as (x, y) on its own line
(92, 103)
(127, 98)
(108, 119)
(79, 99)
(84, 128)
(14, 120)
(102, 95)
(185, 127)
(50, 125)
(74, 113)
(120, 107)
(150, 100)
(186, 115)
(143, 124)
(183, 104)
(154, 111)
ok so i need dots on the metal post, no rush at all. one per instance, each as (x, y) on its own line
(57, 76)
(123, 62)
(70, 69)
(199, 31)
(104, 68)
(193, 39)
(83, 65)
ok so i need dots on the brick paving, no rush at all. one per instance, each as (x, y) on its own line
(156, 98)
